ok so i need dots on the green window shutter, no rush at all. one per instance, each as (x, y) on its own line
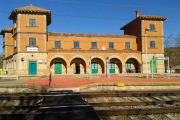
(128, 65)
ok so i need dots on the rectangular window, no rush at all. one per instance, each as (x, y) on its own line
(57, 44)
(32, 22)
(111, 45)
(94, 45)
(76, 44)
(152, 44)
(32, 41)
(152, 27)
(127, 45)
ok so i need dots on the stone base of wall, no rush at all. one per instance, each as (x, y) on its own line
(20, 89)
(159, 63)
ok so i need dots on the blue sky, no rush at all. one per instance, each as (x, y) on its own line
(97, 16)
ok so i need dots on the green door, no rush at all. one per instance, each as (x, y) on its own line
(94, 67)
(112, 67)
(128, 65)
(57, 68)
(32, 67)
(154, 66)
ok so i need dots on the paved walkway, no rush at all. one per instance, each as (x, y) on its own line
(68, 81)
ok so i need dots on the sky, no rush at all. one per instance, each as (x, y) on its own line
(97, 16)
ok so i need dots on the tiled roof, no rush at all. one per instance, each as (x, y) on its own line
(30, 9)
(102, 51)
(9, 29)
(152, 17)
(145, 17)
(89, 35)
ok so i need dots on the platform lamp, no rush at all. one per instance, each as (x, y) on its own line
(147, 29)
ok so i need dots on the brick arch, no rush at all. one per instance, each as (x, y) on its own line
(92, 57)
(77, 56)
(132, 56)
(57, 56)
(115, 56)
(138, 67)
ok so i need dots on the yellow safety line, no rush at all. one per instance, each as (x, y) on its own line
(128, 83)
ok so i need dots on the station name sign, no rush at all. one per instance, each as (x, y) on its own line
(32, 49)
(160, 58)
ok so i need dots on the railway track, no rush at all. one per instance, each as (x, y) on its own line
(119, 105)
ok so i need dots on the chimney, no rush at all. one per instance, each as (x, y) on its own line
(137, 13)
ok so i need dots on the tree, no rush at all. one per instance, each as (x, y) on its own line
(177, 41)
(167, 42)
(172, 50)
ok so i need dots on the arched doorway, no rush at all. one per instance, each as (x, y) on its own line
(132, 65)
(97, 66)
(58, 66)
(115, 66)
(78, 66)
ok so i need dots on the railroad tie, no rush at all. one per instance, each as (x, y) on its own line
(66, 105)
(152, 117)
(112, 118)
(170, 117)
(132, 117)
(32, 102)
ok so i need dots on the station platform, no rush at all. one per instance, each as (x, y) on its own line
(76, 81)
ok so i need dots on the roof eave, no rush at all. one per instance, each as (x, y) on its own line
(144, 18)
(129, 24)
(3, 31)
(14, 12)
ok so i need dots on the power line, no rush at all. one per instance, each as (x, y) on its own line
(94, 17)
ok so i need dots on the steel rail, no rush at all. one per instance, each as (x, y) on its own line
(129, 94)
(99, 112)
(105, 104)
(89, 95)
(101, 92)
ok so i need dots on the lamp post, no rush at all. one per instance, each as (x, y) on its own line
(147, 29)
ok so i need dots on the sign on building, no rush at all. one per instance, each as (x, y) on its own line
(32, 49)
(160, 58)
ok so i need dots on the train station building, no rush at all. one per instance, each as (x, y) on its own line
(30, 49)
